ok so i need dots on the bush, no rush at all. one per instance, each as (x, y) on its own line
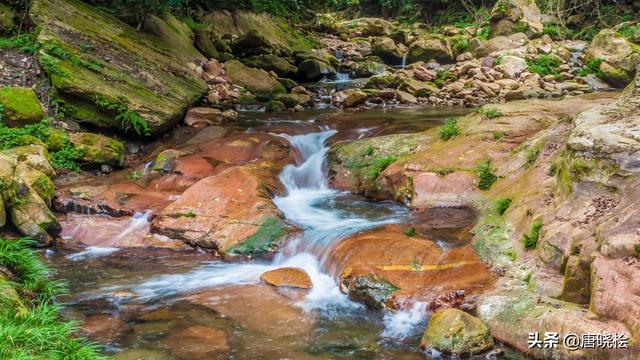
(486, 178)
(38, 332)
(501, 205)
(449, 129)
(544, 65)
(592, 67)
(530, 239)
(490, 112)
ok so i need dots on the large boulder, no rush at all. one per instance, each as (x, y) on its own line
(315, 69)
(513, 16)
(272, 63)
(255, 80)
(496, 44)
(453, 331)
(230, 211)
(387, 50)
(141, 80)
(252, 43)
(430, 47)
(98, 149)
(7, 22)
(20, 106)
(618, 55)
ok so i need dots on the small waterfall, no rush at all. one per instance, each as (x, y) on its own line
(404, 62)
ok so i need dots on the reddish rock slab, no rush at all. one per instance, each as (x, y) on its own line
(104, 328)
(222, 210)
(418, 266)
(287, 277)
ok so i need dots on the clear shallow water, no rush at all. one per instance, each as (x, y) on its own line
(152, 300)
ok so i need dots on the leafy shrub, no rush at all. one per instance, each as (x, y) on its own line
(544, 65)
(63, 155)
(449, 129)
(530, 239)
(501, 205)
(486, 178)
(37, 331)
(410, 232)
(490, 112)
(592, 67)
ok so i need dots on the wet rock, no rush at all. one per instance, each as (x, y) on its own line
(430, 47)
(509, 16)
(287, 277)
(197, 342)
(453, 331)
(103, 327)
(165, 161)
(314, 69)
(143, 354)
(387, 50)
(98, 149)
(257, 81)
(202, 116)
(373, 290)
(350, 98)
(20, 106)
(221, 211)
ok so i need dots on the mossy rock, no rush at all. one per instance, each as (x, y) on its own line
(39, 182)
(10, 301)
(7, 19)
(372, 290)
(148, 74)
(387, 50)
(430, 47)
(165, 160)
(275, 106)
(274, 63)
(453, 331)
(98, 149)
(255, 80)
(35, 156)
(315, 69)
(21, 106)
(30, 214)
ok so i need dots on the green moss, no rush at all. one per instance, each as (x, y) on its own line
(186, 214)
(444, 171)
(531, 154)
(485, 175)
(264, 239)
(25, 43)
(501, 205)
(489, 112)
(129, 119)
(410, 232)
(378, 165)
(498, 135)
(530, 239)
(20, 106)
(491, 240)
(636, 251)
(449, 129)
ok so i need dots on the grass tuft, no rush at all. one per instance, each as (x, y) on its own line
(501, 205)
(530, 239)
(450, 129)
(490, 112)
(486, 178)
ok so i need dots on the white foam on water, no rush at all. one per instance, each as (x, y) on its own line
(92, 252)
(402, 324)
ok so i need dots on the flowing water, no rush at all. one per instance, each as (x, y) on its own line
(167, 304)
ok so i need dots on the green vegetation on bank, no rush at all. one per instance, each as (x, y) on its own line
(486, 178)
(530, 239)
(30, 326)
(449, 129)
(63, 154)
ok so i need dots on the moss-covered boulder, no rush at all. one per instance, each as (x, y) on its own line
(453, 331)
(255, 80)
(513, 16)
(39, 182)
(111, 75)
(430, 47)
(274, 63)
(98, 149)
(20, 106)
(315, 69)
(252, 43)
(387, 50)
(373, 290)
(366, 27)
(35, 156)
(617, 56)
(30, 214)
(7, 16)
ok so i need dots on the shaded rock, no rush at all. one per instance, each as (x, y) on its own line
(429, 47)
(7, 16)
(103, 327)
(142, 354)
(21, 106)
(158, 88)
(387, 50)
(512, 16)
(272, 63)
(453, 331)
(39, 182)
(257, 81)
(98, 149)
(287, 277)
(290, 101)
(253, 42)
(204, 44)
(314, 69)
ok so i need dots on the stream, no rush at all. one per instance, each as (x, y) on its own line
(168, 304)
